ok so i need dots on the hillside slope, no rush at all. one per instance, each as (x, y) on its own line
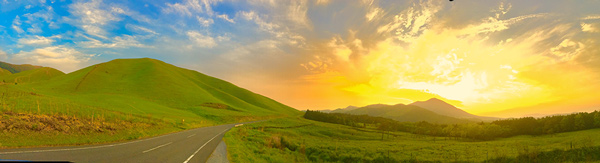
(31, 76)
(404, 113)
(165, 84)
(4, 72)
(13, 68)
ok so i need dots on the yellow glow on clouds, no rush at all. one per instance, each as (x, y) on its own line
(459, 65)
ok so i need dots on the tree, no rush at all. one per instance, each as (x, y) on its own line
(567, 123)
(597, 118)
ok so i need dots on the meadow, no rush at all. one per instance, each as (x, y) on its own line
(300, 140)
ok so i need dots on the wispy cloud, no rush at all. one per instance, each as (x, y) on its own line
(38, 40)
(124, 41)
(16, 25)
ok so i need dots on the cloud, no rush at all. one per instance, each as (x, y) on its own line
(297, 13)
(38, 40)
(123, 41)
(16, 24)
(323, 2)
(589, 27)
(93, 16)
(494, 25)
(140, 30)
(225, 17)
(591, 17)
(60, 57)
(567, 50)
(280, 32)
(373, 12)
(40, 18)
(191, 7)
(205, 21)
(201, 40)
(411, 22)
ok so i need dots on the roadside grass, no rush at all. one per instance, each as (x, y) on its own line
(311, 141)
(30, 117)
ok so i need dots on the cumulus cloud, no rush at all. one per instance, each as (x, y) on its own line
(60, 57)
(201, 40)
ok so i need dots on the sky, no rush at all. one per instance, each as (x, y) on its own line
(486, 57)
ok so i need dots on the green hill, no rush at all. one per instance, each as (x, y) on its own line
(120, 100)
(17, 68)
(4, 72)
(165, 84)
(404, 113)
(31, 76)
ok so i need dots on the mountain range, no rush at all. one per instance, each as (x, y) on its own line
(433, 110)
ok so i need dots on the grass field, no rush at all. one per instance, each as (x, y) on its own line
(301, 140)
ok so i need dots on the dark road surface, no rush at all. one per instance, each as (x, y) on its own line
(193, 145)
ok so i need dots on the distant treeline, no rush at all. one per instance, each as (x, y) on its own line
(479, 131)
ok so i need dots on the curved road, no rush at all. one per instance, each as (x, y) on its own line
(193, 145)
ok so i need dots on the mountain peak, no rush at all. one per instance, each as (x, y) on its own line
(441, 107)
(435, 100)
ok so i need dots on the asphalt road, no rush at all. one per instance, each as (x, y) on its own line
(193, 145)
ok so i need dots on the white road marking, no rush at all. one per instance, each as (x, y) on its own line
(189, 158)
(73, 149)
(191, 135)
(157, 147)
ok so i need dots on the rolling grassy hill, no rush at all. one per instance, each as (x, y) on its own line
(168, 85)
(117, 97)
(4, 72)
(13, 68)
(404, 113)
(31, 76)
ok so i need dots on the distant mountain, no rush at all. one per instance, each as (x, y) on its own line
(440, 107)
(13, 68)
(31, 76)
(165, 84)
(405, 113)
(342, 110)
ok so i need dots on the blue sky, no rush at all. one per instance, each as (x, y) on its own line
(322, 54)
